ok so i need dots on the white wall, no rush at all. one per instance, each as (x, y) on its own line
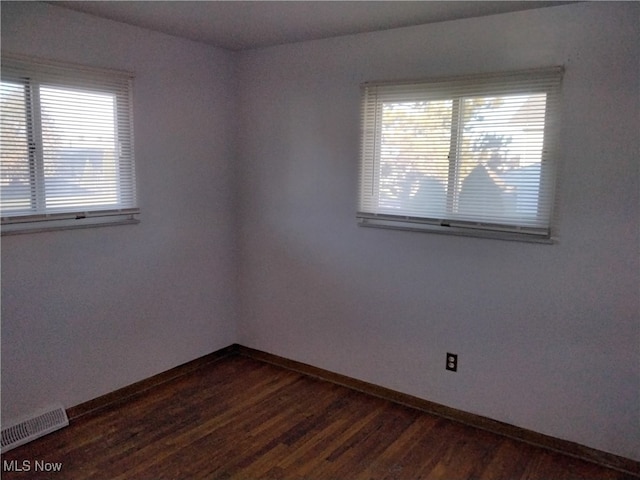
(547, 336)
(86, 312)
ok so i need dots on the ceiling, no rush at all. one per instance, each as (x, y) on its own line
(240, 25)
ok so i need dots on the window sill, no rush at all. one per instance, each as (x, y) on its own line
(19, 226)
(465, 231)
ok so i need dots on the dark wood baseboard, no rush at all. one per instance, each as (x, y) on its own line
(565, 447)
(533, 438)
(136, 388)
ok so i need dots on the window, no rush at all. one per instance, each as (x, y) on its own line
(465, 155)
(66, 144)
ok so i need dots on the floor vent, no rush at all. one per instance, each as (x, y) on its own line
(37, 425)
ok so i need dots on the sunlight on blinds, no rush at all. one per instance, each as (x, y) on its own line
(475, 151)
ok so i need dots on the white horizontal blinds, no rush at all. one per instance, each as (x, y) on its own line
(369, 148)
(471, 151)
(17, 175)
(77, 123)
(80, 148)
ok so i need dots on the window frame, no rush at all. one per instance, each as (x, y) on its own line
(545, 80)
(34, 74)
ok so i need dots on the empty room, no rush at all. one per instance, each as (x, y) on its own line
(320, 240)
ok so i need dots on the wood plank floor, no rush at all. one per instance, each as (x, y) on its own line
(240, 418)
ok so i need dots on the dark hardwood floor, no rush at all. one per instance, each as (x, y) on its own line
(240, 418)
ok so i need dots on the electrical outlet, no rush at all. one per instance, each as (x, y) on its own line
(452, 362)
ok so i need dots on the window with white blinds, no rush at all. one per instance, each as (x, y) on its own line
(66, 142)
(468, 155)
